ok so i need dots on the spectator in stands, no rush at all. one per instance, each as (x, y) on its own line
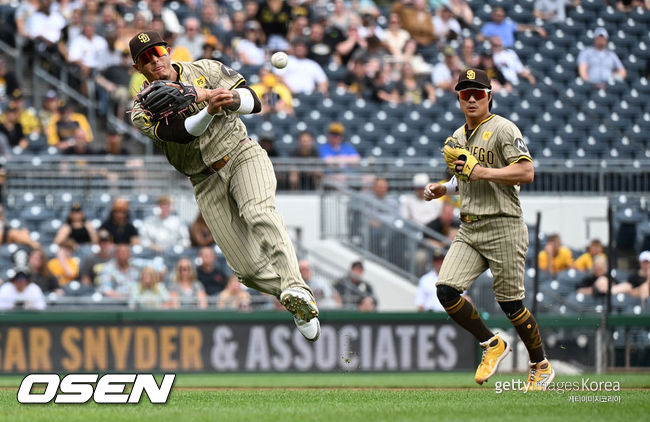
(115, 80)
(186, 290)
(335, 151)
(63, 124)
(357, 81)
(149, 292)
(303, 75)
(192, 38)
(49, 109)
(417, 20)
(11, 128)
(299, 27)
(40, 274)
(382, 207)
(27, 116)
(8, 81)
(585, 261)
(200, 234)
(367, 304)
(78, 145)
(342, 15)
(157, 9)
(395, 36)
(308, 179)
(509, 63)
(65, 266)
(321, 44)
(20, 292)
(209, 273)
(447, 224)
(119, 225)
(119, 275)
(250, 49)
(326, 296)
(384, 90)
(595, 283)
(445, 74)
(267, 142)
(353, 289)
(426, 298)
(555, 257)
(468, 56)
(413, 89)
(77, 228)
(114, 146)
(415, 208)
(19, 236)
(352, 45)
(44, 27)
(369, 28)
(553, 11)
(446, 27)
(234, 297)
(410, 54)
(92, 265)
(499, 82)
(461, 11)
(505, 28)
(597, 64)
(108, 20)
(88, 52)
(275, 16)
(164, 230)
(637, 284)
(273, 93)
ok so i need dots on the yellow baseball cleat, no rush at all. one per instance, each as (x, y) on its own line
(540, 376)
(492, 356)
(300, 303)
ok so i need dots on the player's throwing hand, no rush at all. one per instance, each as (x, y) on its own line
(434, 191)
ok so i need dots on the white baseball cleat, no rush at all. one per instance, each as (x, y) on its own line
(300, 303)
(310, 330)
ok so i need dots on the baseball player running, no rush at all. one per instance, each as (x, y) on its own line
(490, 160)
(233, 178)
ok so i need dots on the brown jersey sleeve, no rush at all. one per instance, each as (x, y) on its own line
(512, 145)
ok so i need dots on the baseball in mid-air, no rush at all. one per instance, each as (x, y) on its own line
(279, 59)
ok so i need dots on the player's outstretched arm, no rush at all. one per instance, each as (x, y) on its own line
(436, 190)
(518, 173)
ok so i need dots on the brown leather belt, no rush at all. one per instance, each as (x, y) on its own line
(217, 165)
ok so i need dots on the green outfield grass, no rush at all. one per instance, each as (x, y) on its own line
(347, 397)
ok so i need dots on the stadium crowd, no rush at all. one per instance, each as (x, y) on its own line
(404, 52)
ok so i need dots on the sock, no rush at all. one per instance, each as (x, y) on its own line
(526, 326)
(465, 315)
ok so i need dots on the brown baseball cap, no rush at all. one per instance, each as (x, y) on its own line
(143, 41)
(473, 78)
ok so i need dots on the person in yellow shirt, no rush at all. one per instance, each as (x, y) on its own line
(64, 266)
(273, 93)
(561, 257)
(63, 124)
(585, 261)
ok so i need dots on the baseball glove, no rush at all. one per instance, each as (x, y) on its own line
(453, 152)
(162, 99)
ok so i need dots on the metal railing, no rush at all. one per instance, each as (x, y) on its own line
(375, 230)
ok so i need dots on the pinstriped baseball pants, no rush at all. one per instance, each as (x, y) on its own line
(238, 205)
(498, 243)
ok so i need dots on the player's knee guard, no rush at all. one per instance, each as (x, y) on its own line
(447, 295)
(512, 308)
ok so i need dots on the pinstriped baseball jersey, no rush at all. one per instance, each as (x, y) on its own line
(192, 159)
(496, 143)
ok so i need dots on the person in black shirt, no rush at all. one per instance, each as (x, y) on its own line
(209, 273)
(77, 228)
(356, 293)
(119, 225)
(12, 129)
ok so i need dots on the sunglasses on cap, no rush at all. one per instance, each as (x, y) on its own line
(477, 93)
(148, 55)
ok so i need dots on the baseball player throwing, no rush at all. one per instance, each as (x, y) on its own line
(490, 160)
(233, 178)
